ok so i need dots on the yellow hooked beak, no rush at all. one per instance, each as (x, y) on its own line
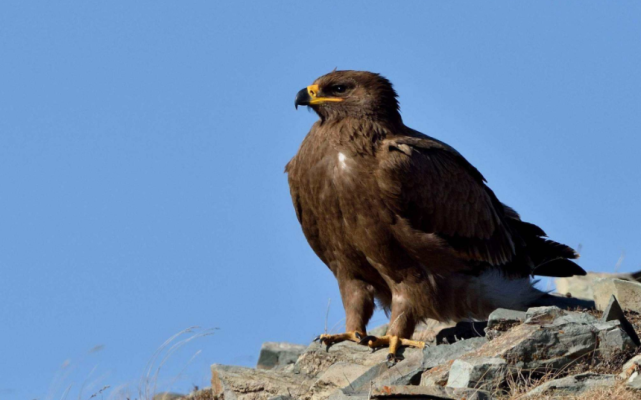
(309, 96)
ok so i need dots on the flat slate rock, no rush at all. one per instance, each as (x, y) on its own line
(573, 385)
(278, 354)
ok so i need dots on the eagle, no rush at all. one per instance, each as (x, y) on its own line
(404, 221)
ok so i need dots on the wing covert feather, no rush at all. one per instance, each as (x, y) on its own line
(436, 190)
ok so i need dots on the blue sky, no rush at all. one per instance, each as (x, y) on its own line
(142, 147)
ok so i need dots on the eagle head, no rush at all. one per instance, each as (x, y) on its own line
(355, 94)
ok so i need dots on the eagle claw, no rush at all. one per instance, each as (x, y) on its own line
(392, 359)
(366, 339)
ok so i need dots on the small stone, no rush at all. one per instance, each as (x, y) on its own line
(627, 293)
(542, 315)
(502, 316)
(573, 385)
(501, 320)
(277, 354)
(484, 373)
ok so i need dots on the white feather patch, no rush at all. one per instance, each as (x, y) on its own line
(341, 160)
(504, 292)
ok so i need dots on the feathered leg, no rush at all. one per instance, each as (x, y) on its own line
(358, 301)
(401, 327)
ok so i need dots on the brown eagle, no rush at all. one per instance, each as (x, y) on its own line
(402, 219)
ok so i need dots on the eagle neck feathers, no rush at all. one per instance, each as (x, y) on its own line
(360, 136)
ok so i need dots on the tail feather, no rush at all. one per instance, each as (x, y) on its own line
(559, 268)
(548, 257)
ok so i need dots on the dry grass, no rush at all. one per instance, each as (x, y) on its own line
(618, 392)
(519, 384)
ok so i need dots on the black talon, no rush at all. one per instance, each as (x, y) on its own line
(366, 339)
(392, 359)
(358, 335)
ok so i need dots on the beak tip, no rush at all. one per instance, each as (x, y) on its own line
(302, 98)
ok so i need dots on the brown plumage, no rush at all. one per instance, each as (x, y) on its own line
(403, 219)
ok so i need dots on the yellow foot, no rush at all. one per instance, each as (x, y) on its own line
(329, 340)
(393, 342)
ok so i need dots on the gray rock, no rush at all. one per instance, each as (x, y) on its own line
(349, 368)
(575, 318)
(231, 383)
(549, 345)
(483, 373)
(502, 320)
(552, 346)
(502, 316)
(573, 385)
(317, 358)
(276, 354)
(613, 340)
(341, 375)
(406, 372)
(437, 376)
(542, 315)
(436, 355)
(614, 312)
(438, 359)
(627, 293)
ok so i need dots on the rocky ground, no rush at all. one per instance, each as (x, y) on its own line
(544, 353)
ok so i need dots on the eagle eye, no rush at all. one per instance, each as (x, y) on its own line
(339, 88)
